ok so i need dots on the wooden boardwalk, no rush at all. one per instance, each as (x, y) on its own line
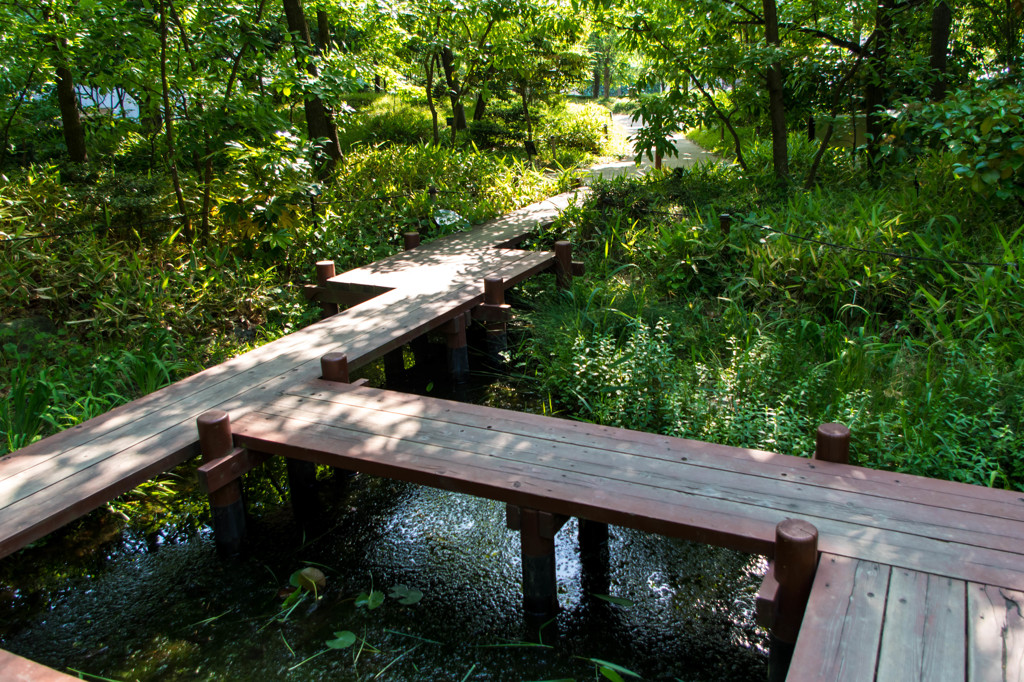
(918, 579)
(58, 479)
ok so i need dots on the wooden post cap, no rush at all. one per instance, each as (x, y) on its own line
(214, 434)
(410, 240)
(796, 550)
(833, 443)
(324, 271)
(494, 290)
(334, 367)
(725, 222)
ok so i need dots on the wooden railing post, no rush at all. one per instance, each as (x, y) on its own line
(324, 271)
(334, 367)
(226, 506)
(410, 240)
(796, 560)
(725, 223)
(563, 264)
(833, 443)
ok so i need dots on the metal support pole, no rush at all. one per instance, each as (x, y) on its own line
(226, 506)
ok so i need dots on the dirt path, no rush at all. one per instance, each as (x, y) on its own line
(689, 153)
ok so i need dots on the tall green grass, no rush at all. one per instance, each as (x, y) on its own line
(752, 338)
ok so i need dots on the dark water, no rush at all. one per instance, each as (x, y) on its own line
(171, 610)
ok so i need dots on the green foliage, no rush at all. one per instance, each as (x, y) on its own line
(754, 336)
(389, 119)
(983, 130)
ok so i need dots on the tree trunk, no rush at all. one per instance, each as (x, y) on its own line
(875, 94)
(429, 67)
(318, 116)
(597, 79)
(481, 107)
(942, 19)
(186, 222)
(530, 145)
(607, 78)
(452, 80)
(67, 101)
(323, 32)
(776, 105)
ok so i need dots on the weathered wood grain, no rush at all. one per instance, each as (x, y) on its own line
(924, 634)
(995, 634)
(842, 626)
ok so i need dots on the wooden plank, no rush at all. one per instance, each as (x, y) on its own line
(746, 486)
(14, 668)
(784, 468)
(842, 626)
(995, 634)
(924, 635)
(838, 535)
(37, 499)
(518, 483)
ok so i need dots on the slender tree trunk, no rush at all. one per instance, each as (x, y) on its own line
(186, 222)
(429, 65)
(14, 112)
(454, 92)
(67, 101)
(607, 78)
(318, 116)
(323, 32)
(597, 79)
(776, 105)
(942, 19)
(875, 95)
(530, 145)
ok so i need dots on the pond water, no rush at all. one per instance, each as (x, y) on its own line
(168, 608)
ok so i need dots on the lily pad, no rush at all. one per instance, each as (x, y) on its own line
(343, 640)
(370, 600)
(405, 595)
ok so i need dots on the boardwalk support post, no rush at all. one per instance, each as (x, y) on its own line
(494, 313)
(796, 560)
(563, 264)
(537, 531)
(593, 538)
(334, 367)
(324, 271)
(410, 240)
(458, 350)
(833, 444)
(226, 506)
(725, 223)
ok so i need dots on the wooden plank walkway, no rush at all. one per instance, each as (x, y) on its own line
(918, 580)
(61, 478)
(714, 494)
(868, 621)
